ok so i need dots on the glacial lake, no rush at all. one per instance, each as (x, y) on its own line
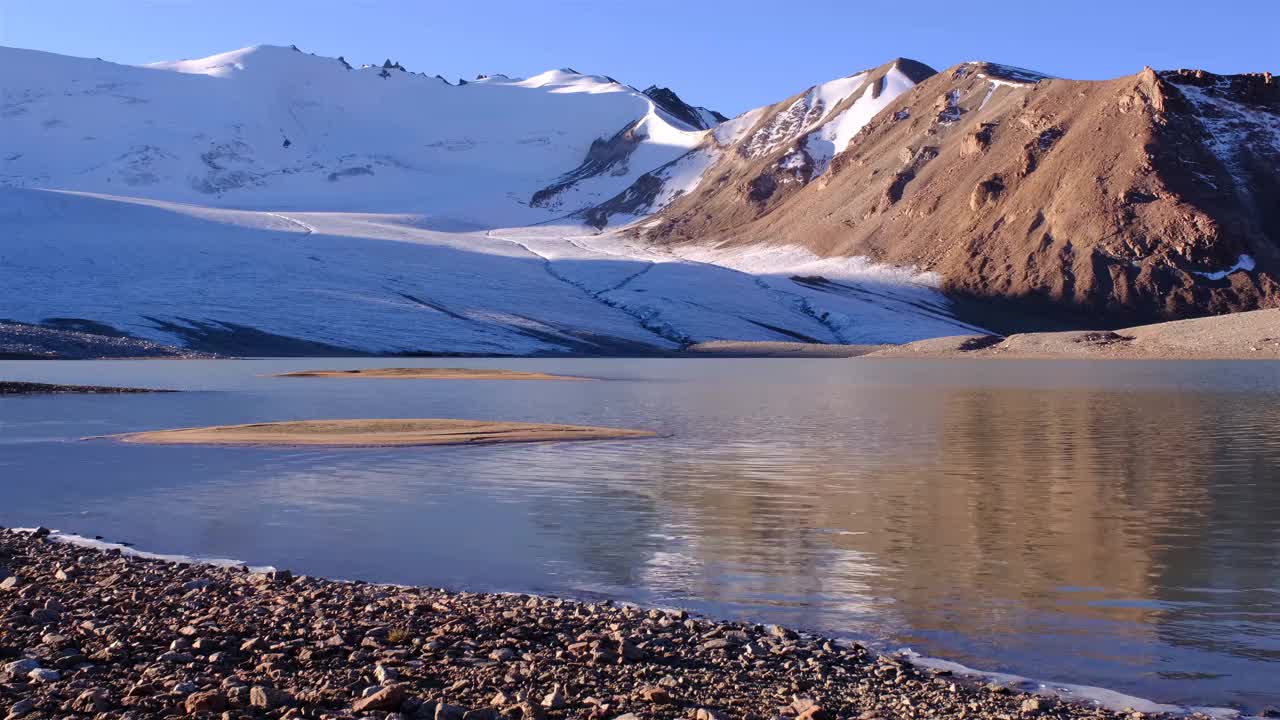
(1113, 524)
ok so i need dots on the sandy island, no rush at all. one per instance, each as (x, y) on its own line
(431, 374)
(378, 433)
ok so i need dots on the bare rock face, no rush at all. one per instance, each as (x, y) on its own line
(1145, 198)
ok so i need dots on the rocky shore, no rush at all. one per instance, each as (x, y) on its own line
(8, 387)
(102, 633)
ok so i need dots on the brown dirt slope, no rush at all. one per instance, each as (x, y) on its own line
(1119, 201)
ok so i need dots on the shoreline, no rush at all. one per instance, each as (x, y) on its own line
(1252, 335)
(87, 629)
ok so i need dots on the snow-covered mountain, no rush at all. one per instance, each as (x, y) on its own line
(264, 199)
(274, 127)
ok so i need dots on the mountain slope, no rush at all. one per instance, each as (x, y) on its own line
(1146, 197)
(273, 127)
(765, 154)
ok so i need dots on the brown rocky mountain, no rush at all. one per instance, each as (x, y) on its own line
(1040, 201)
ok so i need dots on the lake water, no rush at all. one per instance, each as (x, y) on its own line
(1111, 524)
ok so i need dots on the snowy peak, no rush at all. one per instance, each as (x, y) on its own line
(256, 58)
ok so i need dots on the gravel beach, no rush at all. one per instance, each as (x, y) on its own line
(28, 388)
(102, 633)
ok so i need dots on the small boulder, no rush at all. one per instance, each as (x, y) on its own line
(211, 701)
(388, 699)
(44, 675)
(503, 655)
(267, 698)
(656, 695)
(21, 667)
(92, 701)
(22, 708)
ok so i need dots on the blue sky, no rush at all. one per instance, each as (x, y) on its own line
(730, 56)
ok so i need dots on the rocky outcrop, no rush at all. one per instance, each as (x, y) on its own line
(695, 117)
(604, 156)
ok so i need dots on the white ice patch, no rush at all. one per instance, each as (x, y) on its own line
(1245, 263)
(95, 544)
